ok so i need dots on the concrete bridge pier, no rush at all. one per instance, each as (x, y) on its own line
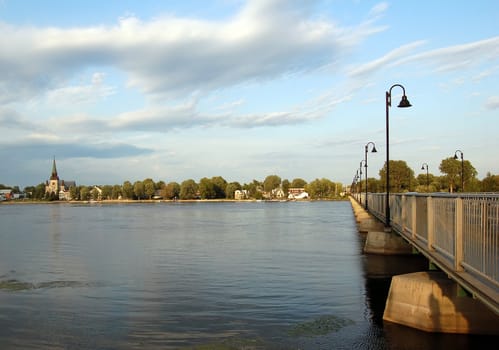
(378, 241)
(431, 302)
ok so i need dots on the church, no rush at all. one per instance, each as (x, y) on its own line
(58, 187)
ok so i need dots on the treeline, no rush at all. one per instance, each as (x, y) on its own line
(456, 176)
(206, 188)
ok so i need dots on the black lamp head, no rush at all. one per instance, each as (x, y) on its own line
(404, 102)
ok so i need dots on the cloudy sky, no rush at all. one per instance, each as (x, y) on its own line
(174, 90)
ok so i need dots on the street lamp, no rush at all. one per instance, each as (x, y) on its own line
(423, 167)
(365, 163)
(360, 179)
(404, 103)
(462, 168)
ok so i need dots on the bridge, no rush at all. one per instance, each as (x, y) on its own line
(459, 233)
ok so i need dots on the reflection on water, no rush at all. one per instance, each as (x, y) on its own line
(199, 275)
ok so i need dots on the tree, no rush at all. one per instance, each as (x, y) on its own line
(171, 191)
(188, 189)
(452, 169)
(401, 176)
(127, 189)
(106, 192)
(321, 189)
(219, 185)
(271, 182)
(96, 194)
(74, 193)
(84, 193)
(231, 188)
(207, 189)
(298, 183)
(254, 189)
(426, 185)
(160, 184)
(116, 192)
(490, 183)
(138, 189)
(149, 188)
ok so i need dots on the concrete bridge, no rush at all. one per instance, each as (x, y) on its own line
(459, 235)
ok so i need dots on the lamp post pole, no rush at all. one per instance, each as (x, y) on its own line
(360, 180)
(462, 168)
(404, 102)
(423, 167)
(365, 163)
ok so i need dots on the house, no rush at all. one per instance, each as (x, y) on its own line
(241, 194)
(6, 194)
(297, 193)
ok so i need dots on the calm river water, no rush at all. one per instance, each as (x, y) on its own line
(253, 275)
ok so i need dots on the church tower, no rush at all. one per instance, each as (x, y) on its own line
(52, 186)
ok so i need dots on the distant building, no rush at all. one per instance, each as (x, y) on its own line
(241, 194)
(6, 194)
(297, 193)
(58, 187)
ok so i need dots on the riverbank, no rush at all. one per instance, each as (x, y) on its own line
(149, 201)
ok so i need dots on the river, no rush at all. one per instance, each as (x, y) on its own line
(230, 275)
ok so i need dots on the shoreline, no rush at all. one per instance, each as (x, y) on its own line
(167, 201)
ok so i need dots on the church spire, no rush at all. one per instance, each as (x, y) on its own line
(54, 175)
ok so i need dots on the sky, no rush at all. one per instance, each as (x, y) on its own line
(174, 90)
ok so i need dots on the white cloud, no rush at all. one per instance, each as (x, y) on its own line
(492, 102)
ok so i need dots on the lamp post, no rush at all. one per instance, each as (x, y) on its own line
(404, 103)
(423, 167)
(360, 179)
(462, 168)
(365, 163)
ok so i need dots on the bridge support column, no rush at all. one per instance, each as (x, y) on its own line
(388, 243)
(430, 301)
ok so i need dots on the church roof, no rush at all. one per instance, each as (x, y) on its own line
(54, 175)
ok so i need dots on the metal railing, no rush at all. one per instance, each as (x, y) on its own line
(458, 232)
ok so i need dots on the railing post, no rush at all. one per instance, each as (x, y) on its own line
(414, 216)
(403, 213)
(430, 223)
(458, 239)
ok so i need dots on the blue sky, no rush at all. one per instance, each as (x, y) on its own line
(176, 90)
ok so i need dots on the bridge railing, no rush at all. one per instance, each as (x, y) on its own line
(460, 232)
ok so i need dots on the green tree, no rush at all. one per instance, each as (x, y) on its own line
(188, 189)
(149, 188)
(401, 176)
(38, 191)
(171, 190)
(219, 185)
(74, 193)
(254, 189)
(207, 189)
(84, 193)
(107, 191)
(451, 168)
(127, 189)
(160, 184)
(95, 194)
(298, 183)
(490, 183)
(139, 189)
(321, 189)
(116, 192)
(231, 188)
(270, 183)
